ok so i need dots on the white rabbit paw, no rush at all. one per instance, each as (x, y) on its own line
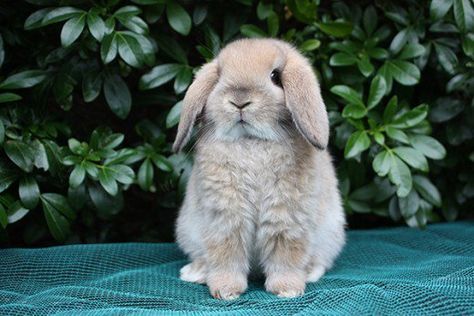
(286, 285)
(193, 272)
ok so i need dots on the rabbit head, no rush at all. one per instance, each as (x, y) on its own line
(255, 88)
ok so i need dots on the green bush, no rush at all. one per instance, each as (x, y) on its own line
(90, 96)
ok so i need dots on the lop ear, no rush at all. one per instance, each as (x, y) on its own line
(194, 102)
(303, 99)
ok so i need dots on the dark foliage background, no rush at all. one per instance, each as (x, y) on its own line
(90, 97)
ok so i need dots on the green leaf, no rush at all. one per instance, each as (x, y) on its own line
(342, 59)
(252, 31)
(400, 175)
(9, 97)
(29, 192)
(106, 204)
(378, 87)
(109, 25)
(2, 132)
(428, 146)
(162, 163)
(72, 29)
(354, 111)
(57, 223)
(199, 14)
(145, 175)
(381, 163)
(399, 41)
(91, 85)
(41, 157)
(336, 29)
(357, 143)
(109, 48)
(365, 66)
(127, 11)
(172, 118)
(398, 15)
(91, 169)
(77, 197)
(379, 138)
(446, 109)
(412, 117)
(391, 109)
(468, 45)
(358, 206)
(77, 176)
(122, 173)
(264, 10)
(273, 25)
(427, 190)
(310, 45)
(36, 18)
(396, 134)
(303, 10)
(385, 72)
(178, 18)
(370, 20)
(409, 205)
(16, 212)
(117, 95)
(20, 153)
(61, 14)
(464, 15)
(377, 53)
(412, 157)
(107, 180)
(2, 51)
(147, 48)
(172, 48)
(77, 147)
(183, 79)
(447, 58)
(404, 72)
(412, 50)
(129, 49)
(96, 25)
(135, 24)
(24, 79)
(59, 203)
(111, 141)
(439, 8)
(348, 94)
(158, 76)
(3, 217)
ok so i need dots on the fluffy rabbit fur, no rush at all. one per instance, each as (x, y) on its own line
(263, 191)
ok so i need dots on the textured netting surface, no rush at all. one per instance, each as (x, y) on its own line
(389, 271)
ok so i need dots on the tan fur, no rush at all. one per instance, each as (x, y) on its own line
(262, 194)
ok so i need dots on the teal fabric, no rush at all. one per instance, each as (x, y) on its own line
(399, 271)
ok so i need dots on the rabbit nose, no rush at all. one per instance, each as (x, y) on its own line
(240, 106)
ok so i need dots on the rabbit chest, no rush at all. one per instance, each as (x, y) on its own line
(253, 181)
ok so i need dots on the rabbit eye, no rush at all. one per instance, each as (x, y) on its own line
(275, 76)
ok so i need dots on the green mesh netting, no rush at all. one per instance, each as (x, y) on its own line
(390, 271)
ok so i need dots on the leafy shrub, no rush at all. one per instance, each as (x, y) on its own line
(91, 92)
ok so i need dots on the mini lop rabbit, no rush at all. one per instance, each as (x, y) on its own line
(263, 191)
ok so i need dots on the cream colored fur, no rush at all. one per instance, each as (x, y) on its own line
(262, 194)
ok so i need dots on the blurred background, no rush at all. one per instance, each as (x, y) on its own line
(90, 96)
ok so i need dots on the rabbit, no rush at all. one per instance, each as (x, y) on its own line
(262, 193)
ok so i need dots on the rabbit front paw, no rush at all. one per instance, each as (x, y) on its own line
(193, 272)
(286, 285)
(226, 285)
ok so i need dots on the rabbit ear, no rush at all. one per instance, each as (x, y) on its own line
(303, 99)
(194, 101)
